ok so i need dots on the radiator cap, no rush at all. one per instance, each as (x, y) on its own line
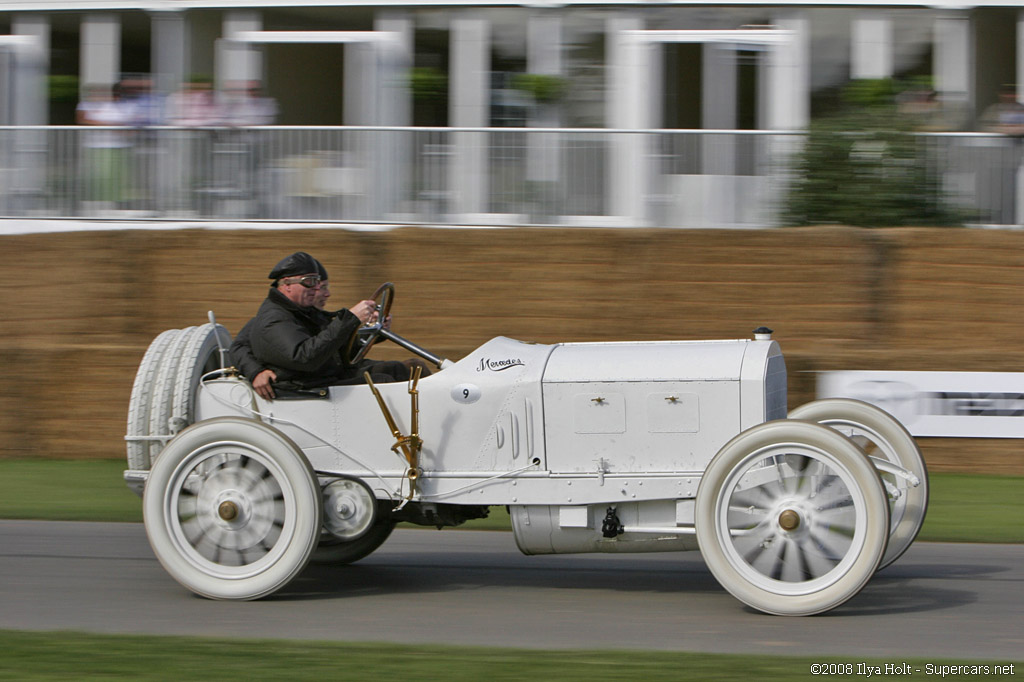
(763, 334)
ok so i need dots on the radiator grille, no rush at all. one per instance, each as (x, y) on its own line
(775, 404)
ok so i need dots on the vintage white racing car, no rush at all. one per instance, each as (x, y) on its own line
(592, 447)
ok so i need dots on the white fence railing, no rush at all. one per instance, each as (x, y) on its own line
(502, 176)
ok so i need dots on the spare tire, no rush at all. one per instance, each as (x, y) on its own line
(141, 399)
(163, 393)
(199, 356)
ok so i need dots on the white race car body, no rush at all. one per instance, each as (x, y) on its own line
(592, 447)
(569, 418)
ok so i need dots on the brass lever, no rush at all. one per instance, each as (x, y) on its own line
(412, 444)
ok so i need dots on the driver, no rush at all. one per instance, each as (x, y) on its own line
(294, 344)
(241, 349)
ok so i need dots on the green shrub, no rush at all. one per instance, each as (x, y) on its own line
(864, 166)
(543, 88)
(62, 88)
(427, 83)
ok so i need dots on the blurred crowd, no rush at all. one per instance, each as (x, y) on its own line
(929, 112)
(132, 102)
(127, 148)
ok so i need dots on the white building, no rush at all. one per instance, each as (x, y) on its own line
(625, 65)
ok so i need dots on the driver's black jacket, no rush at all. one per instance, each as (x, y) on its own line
(304, 346)
(241, 352)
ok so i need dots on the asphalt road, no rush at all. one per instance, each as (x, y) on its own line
(948, 601)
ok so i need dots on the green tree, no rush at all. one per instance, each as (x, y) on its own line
(864, 166)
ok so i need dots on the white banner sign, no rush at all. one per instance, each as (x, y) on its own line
(940, 404)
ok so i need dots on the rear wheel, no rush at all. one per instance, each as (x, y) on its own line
(232, 509)
(355, 523)
(792, 518)
(882, 437)
(332, 550)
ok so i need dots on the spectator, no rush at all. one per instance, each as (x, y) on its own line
(245, 105)
(106, 150)
(1007, 115)
(196, 105)
(143, 107)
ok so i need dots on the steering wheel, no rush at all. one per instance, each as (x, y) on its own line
(366, 335)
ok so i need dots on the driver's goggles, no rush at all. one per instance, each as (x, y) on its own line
(309, 281)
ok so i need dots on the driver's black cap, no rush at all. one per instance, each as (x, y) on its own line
(299, 263)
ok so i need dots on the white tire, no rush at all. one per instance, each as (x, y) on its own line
(200, 355)
(142, 397)
(355, 522)
(163, 393)
(232, 509)
(882, 436)
(792, 518)
(332, 550)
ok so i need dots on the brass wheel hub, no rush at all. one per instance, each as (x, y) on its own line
(789, 520)
(228, 511)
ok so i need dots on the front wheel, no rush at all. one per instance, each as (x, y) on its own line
(792, 518)
(232, 509)
(883, 437)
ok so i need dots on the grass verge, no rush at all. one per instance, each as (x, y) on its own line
(963, 507)
(30, 656)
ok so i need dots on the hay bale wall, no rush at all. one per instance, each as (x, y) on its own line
(838, 298)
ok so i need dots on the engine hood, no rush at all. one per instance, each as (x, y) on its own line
(656, 361)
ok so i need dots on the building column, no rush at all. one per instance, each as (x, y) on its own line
(953, 62)
(168, 51)
(30, 108)
(1020, 57)
(621, 109)
(393, 162)
(31, 104)
(100, 49)
(8, 62)
(871, 46)
(719, 106)
(786, 97)
(395, 61)
(1019, 216)
(170, 158)
(236, 61)
(784, 103)
(716, 186)
(718, 95)
(544, 57)
(628, 107)
(359, 105)
(469, 106)
(376, 75)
